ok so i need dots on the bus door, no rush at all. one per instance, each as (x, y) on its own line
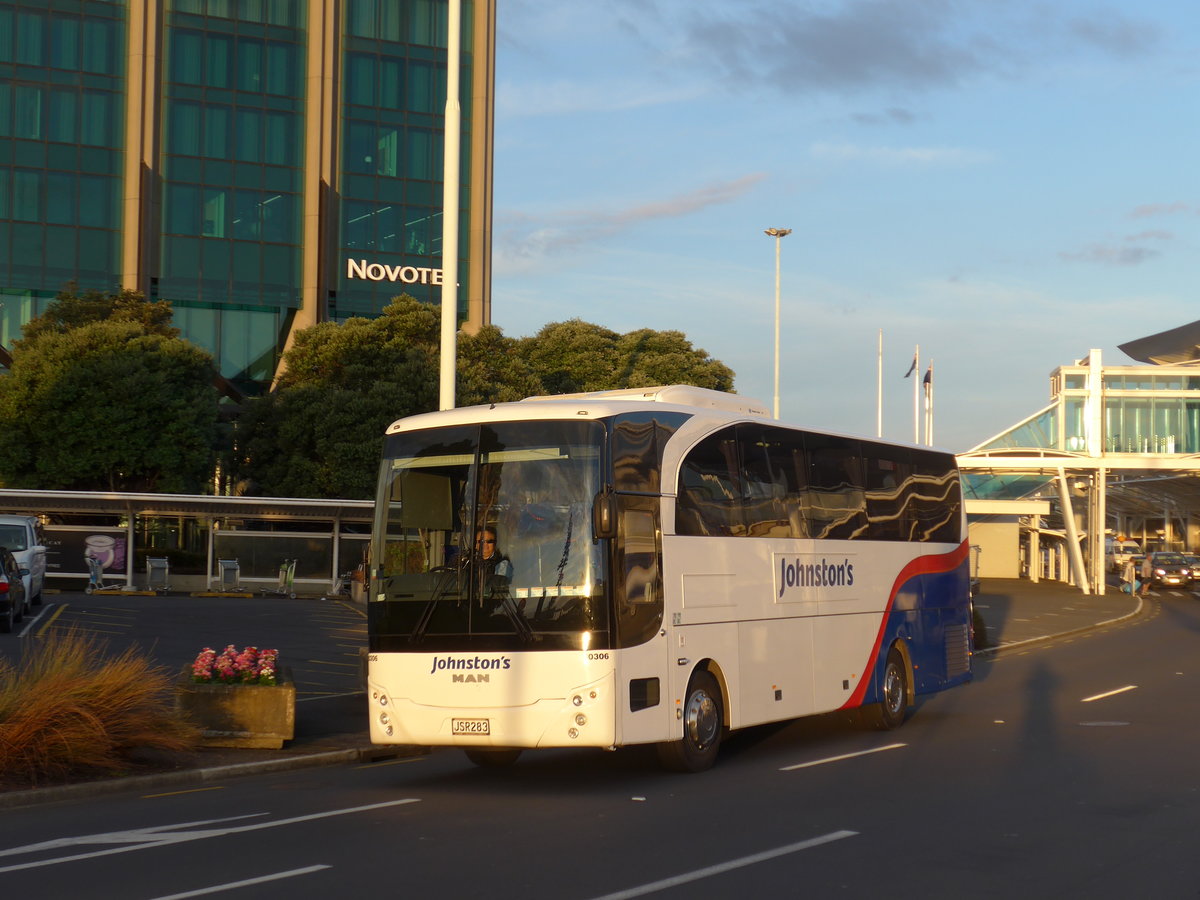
(643, 671)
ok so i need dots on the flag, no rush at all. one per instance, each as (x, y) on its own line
(913, 367)
(927, 381)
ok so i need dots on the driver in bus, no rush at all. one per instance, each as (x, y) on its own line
(491, 561)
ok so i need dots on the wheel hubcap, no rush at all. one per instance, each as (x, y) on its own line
(893, 689)
(701, 719)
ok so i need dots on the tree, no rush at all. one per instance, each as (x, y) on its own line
(320, 434)
(648, 358)
(579, 356)
(573, 356)
(119, 405)
(492, 369)
(70, 310)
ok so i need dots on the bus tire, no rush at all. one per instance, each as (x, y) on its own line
(491, 759)
(893, 692)
(703, 719)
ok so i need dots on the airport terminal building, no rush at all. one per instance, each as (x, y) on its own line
(264, 165)
(1116, 452)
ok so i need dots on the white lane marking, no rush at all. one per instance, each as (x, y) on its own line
(229, 886)
(719, 868)
(328, 696)
(41, 613)
(147, 838)
(1120, 690)
(829, 759)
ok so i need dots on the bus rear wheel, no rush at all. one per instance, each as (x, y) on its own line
(491, 759)
(703, 719)
(893, 705)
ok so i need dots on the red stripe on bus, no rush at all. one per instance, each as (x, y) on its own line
(923, 565)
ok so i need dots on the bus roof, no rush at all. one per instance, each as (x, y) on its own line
(599, 403)
(678, 394)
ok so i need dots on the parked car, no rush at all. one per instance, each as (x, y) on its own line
(1120, 552)
(23, 536)
(13, 602)
(1169, 569)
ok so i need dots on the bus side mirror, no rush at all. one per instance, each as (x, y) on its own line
(604, 516)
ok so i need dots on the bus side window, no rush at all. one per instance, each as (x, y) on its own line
(709, 494)
(837, 505)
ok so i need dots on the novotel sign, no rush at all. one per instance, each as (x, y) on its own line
(360, 268)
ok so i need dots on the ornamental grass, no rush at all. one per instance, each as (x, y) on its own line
(70, 710)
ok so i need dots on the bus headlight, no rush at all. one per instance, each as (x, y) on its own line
(581, 719)
(577, 700)
(572, 733)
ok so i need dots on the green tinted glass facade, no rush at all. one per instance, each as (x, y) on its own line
(394, 95)
(62, 83)
(235, 157)
(233, 168)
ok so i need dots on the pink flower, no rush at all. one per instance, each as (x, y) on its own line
(247, 666)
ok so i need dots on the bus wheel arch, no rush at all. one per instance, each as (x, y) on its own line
(701, 724)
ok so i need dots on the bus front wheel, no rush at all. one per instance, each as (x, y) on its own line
(702, 723)
(491, 758)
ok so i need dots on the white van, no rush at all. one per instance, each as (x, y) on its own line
(23, 536)
(1117, 553)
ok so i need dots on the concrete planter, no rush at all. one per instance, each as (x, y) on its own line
(240, 715)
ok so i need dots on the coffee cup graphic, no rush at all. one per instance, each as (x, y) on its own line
(102, 548)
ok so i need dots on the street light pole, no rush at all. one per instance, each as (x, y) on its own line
(777, 233)
(450, 179)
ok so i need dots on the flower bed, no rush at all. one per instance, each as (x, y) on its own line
(239, 698)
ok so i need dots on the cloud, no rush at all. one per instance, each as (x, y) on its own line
(523, 241)
(1111, 32)
(566, 97)
(891, 116)
(1159, 209)
(898, 156)
(851, 45)
(1111, 255)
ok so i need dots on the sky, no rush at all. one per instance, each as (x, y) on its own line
(1006, 185)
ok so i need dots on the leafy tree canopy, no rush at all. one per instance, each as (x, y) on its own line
(579, 356)
(320, 434)
(71, 310)
(107, 405)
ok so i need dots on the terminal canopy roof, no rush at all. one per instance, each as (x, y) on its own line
(1174, 347)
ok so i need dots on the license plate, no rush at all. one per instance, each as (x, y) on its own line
(470, 726)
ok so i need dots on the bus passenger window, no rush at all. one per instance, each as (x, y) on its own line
(709, 495)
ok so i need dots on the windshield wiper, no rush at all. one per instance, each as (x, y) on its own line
(446, 577)
(524, 632)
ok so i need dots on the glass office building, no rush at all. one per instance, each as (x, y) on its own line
(262, 164)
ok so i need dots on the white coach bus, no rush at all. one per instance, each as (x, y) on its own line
(660, 565)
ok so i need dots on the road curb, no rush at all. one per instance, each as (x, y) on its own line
(142, 783)
(1028, 642)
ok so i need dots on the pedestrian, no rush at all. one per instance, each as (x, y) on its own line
(1129, 579)
(1147, 571)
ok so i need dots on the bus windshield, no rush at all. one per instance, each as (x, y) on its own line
(483, 539)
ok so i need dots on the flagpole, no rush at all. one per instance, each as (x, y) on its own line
(917, 396)
(926, 384)
(929, 432)
(879, 389)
